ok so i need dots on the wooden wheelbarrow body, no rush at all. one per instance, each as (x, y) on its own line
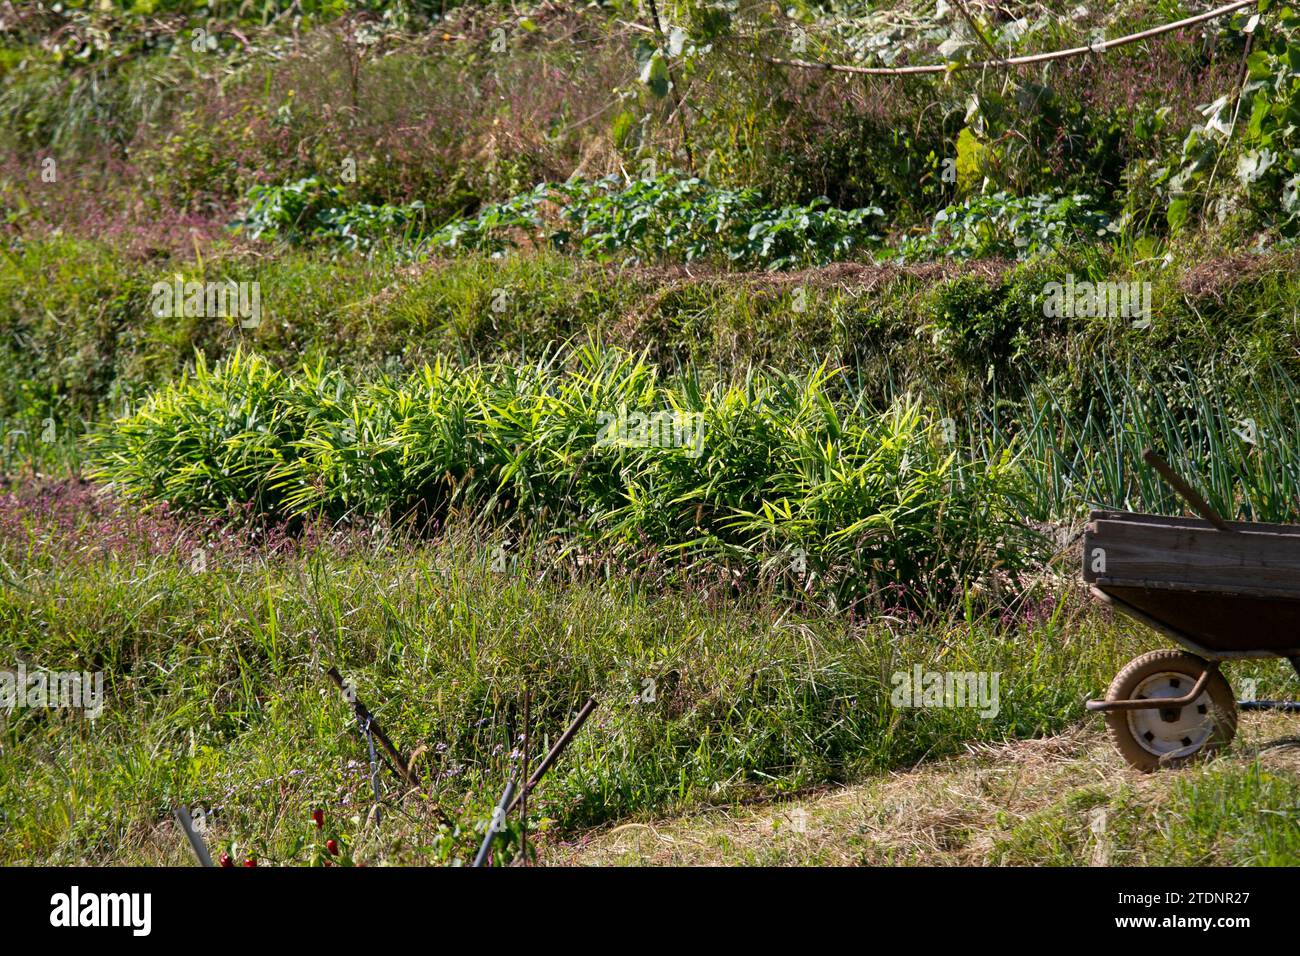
(1220, 589)
(1221, 594)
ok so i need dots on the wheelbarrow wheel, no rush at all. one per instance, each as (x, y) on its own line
(1169, 736)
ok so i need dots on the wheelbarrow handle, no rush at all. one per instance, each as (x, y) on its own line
(1188, 493)
(1158, 703)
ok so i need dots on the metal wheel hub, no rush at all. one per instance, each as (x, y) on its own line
(1168, 729)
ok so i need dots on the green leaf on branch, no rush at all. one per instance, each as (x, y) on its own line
(655, 74)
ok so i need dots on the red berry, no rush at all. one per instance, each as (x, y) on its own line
(332, 846)
(226, 860)
(319, 816)
(250, 862)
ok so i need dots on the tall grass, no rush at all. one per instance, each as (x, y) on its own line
(38, 446)
(213, 691)
(1237, 444)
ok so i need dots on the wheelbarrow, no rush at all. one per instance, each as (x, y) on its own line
(1222, 590)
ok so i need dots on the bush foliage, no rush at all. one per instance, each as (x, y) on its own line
(768, 472)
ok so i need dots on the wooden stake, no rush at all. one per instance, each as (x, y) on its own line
(364, 717)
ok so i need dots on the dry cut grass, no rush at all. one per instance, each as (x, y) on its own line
(1067, 799)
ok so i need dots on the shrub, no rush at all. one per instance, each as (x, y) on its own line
(769, 472)
(312, 211)
(676, 217)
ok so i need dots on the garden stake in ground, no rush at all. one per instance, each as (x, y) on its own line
(367, 721)
(554, 755)
(200, 848)
(374, 770)
(497, 823)
(523, 803)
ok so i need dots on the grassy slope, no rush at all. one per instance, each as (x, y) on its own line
(214, 693)
(80, 333)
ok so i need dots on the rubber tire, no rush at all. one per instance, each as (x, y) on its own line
(1223, 706)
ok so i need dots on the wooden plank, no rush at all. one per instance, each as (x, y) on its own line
(1243, 590)
(1134, 517)
(1214, 624)
(1148, 555)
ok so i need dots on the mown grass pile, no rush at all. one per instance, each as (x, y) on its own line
(1062, 801)
(767, 472)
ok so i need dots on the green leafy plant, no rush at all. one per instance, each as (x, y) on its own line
(310, 210)
(773, 465)
(1004, 225)
(1248, 146)
(672, 216)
